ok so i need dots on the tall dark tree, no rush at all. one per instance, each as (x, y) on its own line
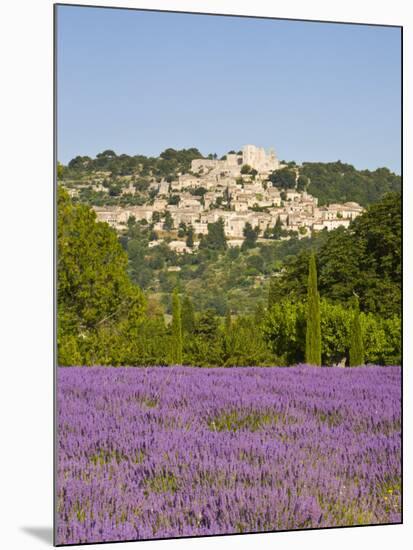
(187, 316)
(190, 237)
(176, 330)
(207, 325)
(278, 231)
(313, 332)
(250, 235)
(356, 338)
(215, 238)
(168, 223)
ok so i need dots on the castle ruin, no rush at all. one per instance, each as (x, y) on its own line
(255, 157)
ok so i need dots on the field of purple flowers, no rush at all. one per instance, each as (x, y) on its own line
(163, 452)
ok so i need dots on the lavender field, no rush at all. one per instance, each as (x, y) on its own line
(163, 452)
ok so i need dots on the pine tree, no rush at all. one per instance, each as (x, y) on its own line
(356, 338)
(313, 333)
(176, 330)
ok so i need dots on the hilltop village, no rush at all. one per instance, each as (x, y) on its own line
(236, 189)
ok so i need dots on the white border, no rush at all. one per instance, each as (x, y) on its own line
(26, 273)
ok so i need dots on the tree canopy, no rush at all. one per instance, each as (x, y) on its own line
(94, 291)
(285, 178)
(339, 182)
(372, 269)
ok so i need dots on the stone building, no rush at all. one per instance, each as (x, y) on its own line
(256, 157)
(259, 159)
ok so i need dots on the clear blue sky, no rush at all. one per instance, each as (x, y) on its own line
(139, 82)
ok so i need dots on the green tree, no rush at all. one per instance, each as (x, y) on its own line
(340, 182)
(246, 169)
(168, 223)
(278, 230)
(174, 199)
(364, 259)
(272, 292)
(94, 292)
(176, 330)
(182, 230)
(251, 236)
(188, 316)
(204, 347)
(313, 332)
(356, 345)
(302, 183)
(283, 178)
(245, 345)
(60, 170)
(190, 237)
(108, 153)
(215, 238)
(283, 330)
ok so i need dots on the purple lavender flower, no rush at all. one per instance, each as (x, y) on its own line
(159, 452)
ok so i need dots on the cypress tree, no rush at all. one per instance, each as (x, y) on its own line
(190, 237)
(176, 330)
(187, 316)
(313, 333)
(356, 338)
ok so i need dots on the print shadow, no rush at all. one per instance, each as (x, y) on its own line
(45, 534)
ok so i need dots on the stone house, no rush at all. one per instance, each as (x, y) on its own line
(180, 247)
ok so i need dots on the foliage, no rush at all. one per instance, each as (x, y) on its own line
(246, 169)
(364, 259)
(313, 334)
(94, 292)
(190, 237)
(103, 317)
(339, 182)
(284, 330)
(168, 223)
(356, 344)
(187, 316)
(215, 238)
(250, 235)
(243, 343)
(285, 178)
(174, 199)
(176, 330)
(275, 232)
